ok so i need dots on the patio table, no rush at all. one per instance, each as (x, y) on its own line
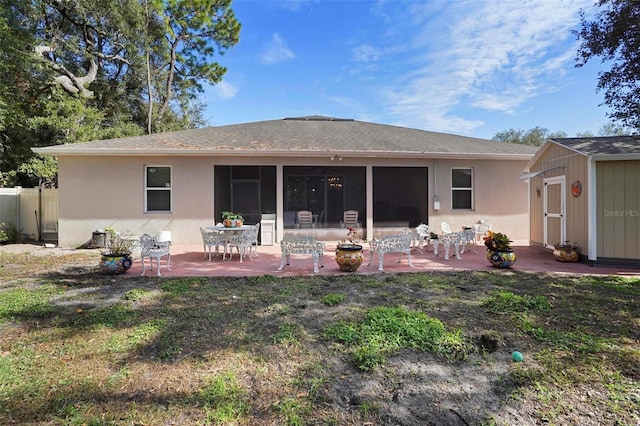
(229, 230)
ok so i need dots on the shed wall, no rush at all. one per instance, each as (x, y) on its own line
(574, 166)
(618, 209)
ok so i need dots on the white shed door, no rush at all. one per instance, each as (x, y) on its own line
(554, 211)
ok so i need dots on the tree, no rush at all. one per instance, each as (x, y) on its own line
(614, 36)
(535, 136)
(74, 71)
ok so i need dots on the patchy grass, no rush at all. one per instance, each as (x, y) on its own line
(344, 350)
(384, 331)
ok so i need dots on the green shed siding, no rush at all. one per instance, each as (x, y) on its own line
(618, 209)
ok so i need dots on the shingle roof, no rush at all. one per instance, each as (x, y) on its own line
(312, 135)
(606, 145)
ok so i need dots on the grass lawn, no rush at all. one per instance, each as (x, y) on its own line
(80, 348)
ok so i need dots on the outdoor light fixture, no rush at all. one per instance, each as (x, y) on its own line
(436, 202)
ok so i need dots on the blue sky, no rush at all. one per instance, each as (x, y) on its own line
(468, 67)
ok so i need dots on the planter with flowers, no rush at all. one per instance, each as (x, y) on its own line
(116, 258)
(566, 252)
(349, 252)
(232, 219)
(499, 251)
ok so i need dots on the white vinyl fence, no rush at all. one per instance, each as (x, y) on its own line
(34, 211)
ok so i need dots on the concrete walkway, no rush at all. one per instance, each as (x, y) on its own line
(189, 261)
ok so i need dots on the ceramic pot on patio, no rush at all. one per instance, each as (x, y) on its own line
(115, 263)
(349, 257)
(565, 253)
(501, 258)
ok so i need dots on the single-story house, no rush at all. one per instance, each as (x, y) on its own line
(587, 191)
(394, 177)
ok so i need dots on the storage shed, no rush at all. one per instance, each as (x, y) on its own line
(587, 191)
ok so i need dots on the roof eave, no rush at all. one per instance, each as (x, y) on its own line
(291, 153)
(614, 157)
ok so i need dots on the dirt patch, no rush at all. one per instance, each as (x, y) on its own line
(268, 333)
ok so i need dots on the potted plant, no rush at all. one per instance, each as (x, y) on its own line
(232, 219)
(566, 252)
(499, 251)
(349, 252)
(116, 258)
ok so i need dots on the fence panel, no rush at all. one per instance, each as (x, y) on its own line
(9, 205)
(34, 212)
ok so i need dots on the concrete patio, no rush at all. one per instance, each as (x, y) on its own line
(189, 261)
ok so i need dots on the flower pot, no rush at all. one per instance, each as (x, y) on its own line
(115, 263)
(565, 254)
(349, 257)
(501, 258)
(232, 223)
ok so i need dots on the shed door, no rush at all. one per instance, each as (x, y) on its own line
(554, 211)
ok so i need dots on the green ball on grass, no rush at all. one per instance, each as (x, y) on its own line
(517, 356)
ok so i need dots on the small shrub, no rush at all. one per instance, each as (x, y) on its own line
(8, 232)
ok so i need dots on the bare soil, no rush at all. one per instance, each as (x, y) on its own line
(410, 388)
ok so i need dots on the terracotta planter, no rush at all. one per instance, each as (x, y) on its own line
(501, 259)
(115, 263)
(349, 257)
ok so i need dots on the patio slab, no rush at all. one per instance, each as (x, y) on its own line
(189, 261)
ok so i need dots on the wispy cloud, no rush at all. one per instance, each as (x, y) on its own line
(491, 55)
(276, 51)
(224, 90)
(366, 53)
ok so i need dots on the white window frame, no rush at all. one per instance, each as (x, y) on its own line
(147, 188)
(470, 189)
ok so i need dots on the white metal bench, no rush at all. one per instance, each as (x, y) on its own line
(301, 244)
(391, 244)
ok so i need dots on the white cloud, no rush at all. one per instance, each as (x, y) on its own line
(224, 90)
(492, 55)
(365, 53)
(276, 51)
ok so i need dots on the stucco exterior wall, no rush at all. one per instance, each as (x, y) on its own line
(499, 197)
(98, 192)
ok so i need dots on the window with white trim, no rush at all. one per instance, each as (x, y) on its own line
(157, 189)
(462, 189)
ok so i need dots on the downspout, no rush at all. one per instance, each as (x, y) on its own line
(436, 197)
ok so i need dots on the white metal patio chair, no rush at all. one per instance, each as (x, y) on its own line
(446, 228)
(211, 239)
(153, 249)
(422, 236)
(481, 228)
(243, 241)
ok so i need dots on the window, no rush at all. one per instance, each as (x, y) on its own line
(462, 189)
(157, 189)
